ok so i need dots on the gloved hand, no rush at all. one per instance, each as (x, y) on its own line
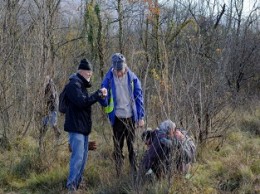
(92, 145)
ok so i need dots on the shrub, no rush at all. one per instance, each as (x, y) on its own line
(252, 126)
(49, 182)
(92, 176)
(4, 144)
(28, 164)
(3, 175)
(255, 167)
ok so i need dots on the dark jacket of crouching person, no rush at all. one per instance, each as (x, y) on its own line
(169, 149)
(157, 157)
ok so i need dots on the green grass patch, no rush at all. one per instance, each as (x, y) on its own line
(251, 126)
(49, 182)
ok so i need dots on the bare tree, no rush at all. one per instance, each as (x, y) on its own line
(9, 63)
(197, 59)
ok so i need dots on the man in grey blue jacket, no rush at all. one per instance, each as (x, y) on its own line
(124, 106)
(78, 122)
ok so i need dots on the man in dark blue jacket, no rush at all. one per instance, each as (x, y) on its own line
(124, 106)
(78, 121)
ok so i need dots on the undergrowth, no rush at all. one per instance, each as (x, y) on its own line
(234, 168)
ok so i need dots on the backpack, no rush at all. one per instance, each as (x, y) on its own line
(63, 104)
(147, 136)
(188, 147)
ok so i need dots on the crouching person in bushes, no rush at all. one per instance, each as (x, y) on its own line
(185, 151)
(159, 143)
(168, 148)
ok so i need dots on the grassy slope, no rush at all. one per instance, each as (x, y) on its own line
(235, 168)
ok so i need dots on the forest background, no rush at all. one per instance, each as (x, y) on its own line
(198, 62)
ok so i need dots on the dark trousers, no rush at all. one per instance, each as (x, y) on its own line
(124, 129)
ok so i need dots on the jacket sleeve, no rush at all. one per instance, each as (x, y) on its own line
(166, 142)
(78, 98)
(105, 84)
(139, 101)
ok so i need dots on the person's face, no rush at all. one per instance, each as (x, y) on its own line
(87, 74)
(178, 134)
(120, 73)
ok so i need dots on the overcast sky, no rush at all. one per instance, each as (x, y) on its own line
(74, 7)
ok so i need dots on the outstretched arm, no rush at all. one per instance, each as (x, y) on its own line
(138, 95)
(78, 98)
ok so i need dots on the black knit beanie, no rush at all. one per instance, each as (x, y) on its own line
(85, 65)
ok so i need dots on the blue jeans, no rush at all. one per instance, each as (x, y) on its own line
(78, 159)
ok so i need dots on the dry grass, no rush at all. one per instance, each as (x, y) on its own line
(233, 168)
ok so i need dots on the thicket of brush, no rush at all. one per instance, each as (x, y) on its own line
(198, 62)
